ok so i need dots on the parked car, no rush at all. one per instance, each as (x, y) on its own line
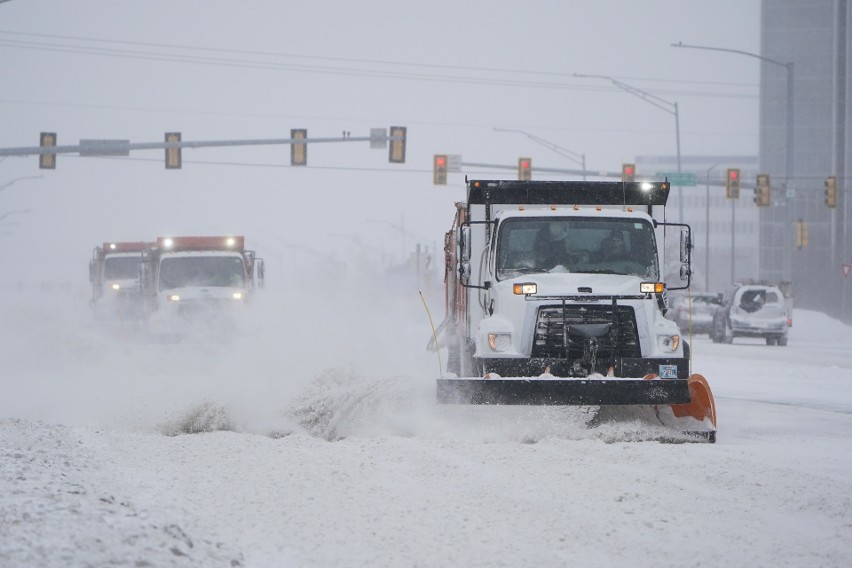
(751, 310)
(703, 305)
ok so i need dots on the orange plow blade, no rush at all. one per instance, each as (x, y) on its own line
(701, 405)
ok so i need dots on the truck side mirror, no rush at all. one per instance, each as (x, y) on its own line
(92, 271)
(685, 272)
(684, 245)
(464, 242)
(464, 270)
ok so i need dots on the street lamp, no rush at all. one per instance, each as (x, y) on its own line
(6, 214)
(11, 182)
(558, 149)
(788, 166)
(658, 102)
(403, 232)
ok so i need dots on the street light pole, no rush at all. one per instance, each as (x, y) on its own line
(707, 230)
(788, 166)
(558, 149)
(670, 107)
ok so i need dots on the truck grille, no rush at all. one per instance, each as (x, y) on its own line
(549, 340)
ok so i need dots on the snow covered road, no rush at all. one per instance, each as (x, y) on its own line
(352, 464)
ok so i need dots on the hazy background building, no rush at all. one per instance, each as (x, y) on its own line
(807, 42)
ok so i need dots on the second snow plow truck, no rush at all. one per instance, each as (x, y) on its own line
(555, 296)
(114, 275)
(198, 282)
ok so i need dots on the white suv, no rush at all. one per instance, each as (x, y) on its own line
(751, 310)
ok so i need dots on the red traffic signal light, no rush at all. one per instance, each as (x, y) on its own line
(628, 173)
(732, 183)
(439, 169)
(524, 169)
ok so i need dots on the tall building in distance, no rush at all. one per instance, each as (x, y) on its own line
(805, 138)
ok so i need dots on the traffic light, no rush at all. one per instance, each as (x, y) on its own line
(439, 169)
(173, 155)
(801, 234)
(524, 169)
(831, 192)
(47, 161)
(298, 150)
(628, 173)
(396, 155)
(763, 191)
(732, 183)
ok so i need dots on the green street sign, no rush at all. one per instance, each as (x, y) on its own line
(678, 178)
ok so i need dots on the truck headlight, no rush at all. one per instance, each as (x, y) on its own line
(499, 341)
(237, 295)
(173, 298)
(652, 287)
(668, 343)
(525, 288)
(116, 286)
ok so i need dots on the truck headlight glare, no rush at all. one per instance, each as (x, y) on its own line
(525, 288)
(116, 286)
(237, 295)
(669, 343)
(173, 298)
(499, 341)
(652, 287)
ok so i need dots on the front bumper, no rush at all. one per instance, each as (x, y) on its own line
(545, 391)
(774, 328)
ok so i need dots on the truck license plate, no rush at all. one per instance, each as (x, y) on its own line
(668, 371)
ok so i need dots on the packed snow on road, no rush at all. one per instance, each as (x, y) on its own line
(310, 436)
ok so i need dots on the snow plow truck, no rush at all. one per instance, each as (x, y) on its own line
(114, 275)
(200, 282)
(554, 295)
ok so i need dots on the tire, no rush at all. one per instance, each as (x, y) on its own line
(713, 336)
(727, 333)
(782, 341)
(772, 341)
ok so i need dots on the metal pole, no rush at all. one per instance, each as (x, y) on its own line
(707, 230)
(788, 172)
(550, 145)
(733, 236)
(789, 169)
(659, 103)
(677, 137)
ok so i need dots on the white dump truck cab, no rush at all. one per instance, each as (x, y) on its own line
(192, 279)
(563, 280)
(114, 273)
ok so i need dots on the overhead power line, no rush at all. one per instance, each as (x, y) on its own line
(272, 61)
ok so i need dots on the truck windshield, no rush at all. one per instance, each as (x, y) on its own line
(182, 271)
(121, 267)
(576, 244)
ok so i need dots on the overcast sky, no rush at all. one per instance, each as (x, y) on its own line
(451, 72)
